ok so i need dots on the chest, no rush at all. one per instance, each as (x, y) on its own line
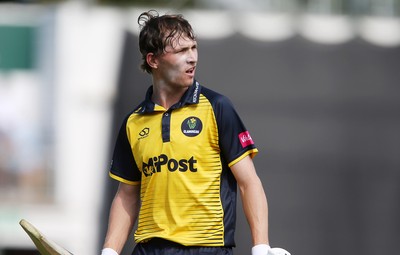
(181, 134)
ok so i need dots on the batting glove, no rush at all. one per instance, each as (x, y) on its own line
(264, 249)
(108, 251)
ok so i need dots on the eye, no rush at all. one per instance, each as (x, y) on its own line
(183, 50)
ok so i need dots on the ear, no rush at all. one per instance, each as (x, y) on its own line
(151, 60)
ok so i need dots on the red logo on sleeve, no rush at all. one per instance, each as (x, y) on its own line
(245, 139)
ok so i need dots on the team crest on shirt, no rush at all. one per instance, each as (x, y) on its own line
(191, 126)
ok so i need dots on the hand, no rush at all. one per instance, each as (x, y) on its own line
(264, 249)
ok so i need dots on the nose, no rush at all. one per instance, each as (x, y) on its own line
(192, 56)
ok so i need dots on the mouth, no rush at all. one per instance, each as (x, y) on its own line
(190, 71)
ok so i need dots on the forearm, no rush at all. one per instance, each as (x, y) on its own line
(256, 210)
(123, 215)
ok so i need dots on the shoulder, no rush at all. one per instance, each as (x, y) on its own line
(215, 98)
(135, 112)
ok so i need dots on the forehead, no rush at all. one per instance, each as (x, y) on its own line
(179, 41)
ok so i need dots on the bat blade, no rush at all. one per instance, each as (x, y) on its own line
(44, 245)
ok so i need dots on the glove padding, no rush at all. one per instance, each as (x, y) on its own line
(108, 251)
(264, 249)
(277, 251)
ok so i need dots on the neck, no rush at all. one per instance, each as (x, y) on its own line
(167, 96)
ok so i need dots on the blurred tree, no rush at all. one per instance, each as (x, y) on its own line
(31, 1)
(159, 3)
(353, 7)
(17, 47)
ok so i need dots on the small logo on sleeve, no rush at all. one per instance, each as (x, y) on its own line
(245, 139)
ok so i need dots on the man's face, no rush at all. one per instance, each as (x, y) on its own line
(177, 64)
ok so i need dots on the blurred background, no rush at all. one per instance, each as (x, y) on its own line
(315, 81)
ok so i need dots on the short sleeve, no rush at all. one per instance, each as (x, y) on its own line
(123, 166)
(235, 140)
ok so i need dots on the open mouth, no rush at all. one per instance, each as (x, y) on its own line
(190, 70)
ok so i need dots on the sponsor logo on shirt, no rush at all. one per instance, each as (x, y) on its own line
(158, 163)
(245, 139)
(191, 126)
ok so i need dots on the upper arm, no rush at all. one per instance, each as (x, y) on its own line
(245, 172)
(128, 193)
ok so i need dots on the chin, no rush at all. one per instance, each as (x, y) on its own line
(184, 83)
(190, 82)
(187, 84)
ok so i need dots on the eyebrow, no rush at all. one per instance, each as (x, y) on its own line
(176, 47)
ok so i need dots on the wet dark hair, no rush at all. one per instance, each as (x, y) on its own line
(157, 32)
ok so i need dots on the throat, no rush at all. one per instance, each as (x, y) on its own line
(167, 98)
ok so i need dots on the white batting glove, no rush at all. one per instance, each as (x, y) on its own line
(108, 251)
(278, 251)
(264, 249)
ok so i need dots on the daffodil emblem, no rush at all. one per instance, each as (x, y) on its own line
(191, 126)
(192, 122)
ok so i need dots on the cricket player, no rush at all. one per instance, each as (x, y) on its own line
(180, 156)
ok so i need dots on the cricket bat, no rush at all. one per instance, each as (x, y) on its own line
(43, 245)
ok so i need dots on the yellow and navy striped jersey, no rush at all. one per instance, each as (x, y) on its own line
(181, 158)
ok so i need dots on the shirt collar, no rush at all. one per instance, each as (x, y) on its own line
(191, 96)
